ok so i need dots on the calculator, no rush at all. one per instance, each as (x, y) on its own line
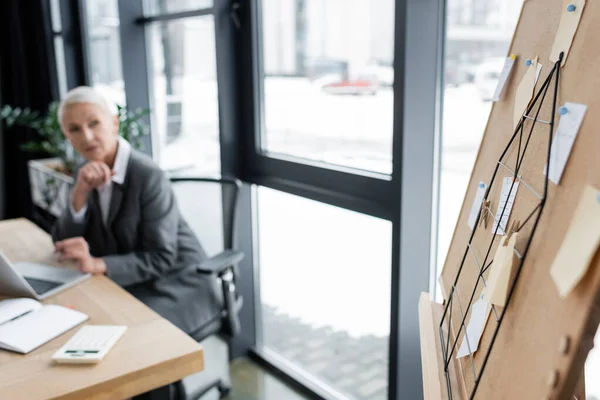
(89, 345)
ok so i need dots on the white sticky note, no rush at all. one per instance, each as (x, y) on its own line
(508, 66)
(537, 72)
(580, 243)
(525, 90)
(563, 141)
(476, 206)
(507, 196)
(480, 312)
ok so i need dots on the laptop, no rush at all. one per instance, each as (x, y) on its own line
(24, 279)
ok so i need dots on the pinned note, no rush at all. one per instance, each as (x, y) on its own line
(537, 72)
(525, 91)
(580, 243)
(501, 269)
(506, 70)
(569, 23)
(480, 312)
(507, 198)
(476, 206)
(572, 115)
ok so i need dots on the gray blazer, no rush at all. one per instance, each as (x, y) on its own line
(147, 246)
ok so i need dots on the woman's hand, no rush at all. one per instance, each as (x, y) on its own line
(77, 249)
(91, 176)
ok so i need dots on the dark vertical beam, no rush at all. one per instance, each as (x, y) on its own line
(49, 39)
(74, 38)
(416, 129)
(228, 36)
(134, 59)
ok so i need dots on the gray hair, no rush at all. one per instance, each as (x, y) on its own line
(85, 94)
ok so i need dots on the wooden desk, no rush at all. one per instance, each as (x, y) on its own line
(151, 353)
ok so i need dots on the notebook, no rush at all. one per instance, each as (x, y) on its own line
(26, 324)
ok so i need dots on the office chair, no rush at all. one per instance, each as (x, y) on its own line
(198, 199)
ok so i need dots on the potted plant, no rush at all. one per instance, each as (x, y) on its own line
(51, 179)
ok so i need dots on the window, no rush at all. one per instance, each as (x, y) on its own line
(104, 48)
(61, 69)
(59, 48)
(327, 81)
(478, 35)
(184, 94)
(55, 16)
(325, 291)
(592, 370)
(154, 7)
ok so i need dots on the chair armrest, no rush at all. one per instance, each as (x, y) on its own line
(219, 263)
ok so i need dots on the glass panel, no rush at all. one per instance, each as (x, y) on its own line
(61, 69)
(158, 7)
(478, 36)
(592, 371)
(185, 96)
(325, 291)
(55, 15)
(104, 48)
(328, 75)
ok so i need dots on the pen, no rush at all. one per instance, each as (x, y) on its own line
(18, 316)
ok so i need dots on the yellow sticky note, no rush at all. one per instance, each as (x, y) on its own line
(498, 280)
(579, 245)
(569, 22)
(525, 91)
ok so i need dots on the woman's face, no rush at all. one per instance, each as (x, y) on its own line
(91, 130)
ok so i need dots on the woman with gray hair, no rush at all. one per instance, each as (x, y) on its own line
(123, 220)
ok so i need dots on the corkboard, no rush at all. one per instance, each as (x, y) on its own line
(527, 351)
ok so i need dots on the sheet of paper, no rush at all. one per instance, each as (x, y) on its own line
(476, 206)
(563, 141)
(525, 91)
(507, 196)
(480, 312)
(30, 331)
(506, 70)
(499, 277)
(569, 22)
(537, 72)
(580, 243)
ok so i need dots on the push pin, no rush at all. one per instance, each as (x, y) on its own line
(513, 57)
(528, 62)
(565, 344)
(552, 379)
(482, 185)
(571, 7)
(563, 110)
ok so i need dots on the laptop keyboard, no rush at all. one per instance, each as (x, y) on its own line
(40, 286)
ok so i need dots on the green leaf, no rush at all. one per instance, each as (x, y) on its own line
(52, 141)
(33, 147)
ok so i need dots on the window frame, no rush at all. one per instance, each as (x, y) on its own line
(407, 197)
(134, 47)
